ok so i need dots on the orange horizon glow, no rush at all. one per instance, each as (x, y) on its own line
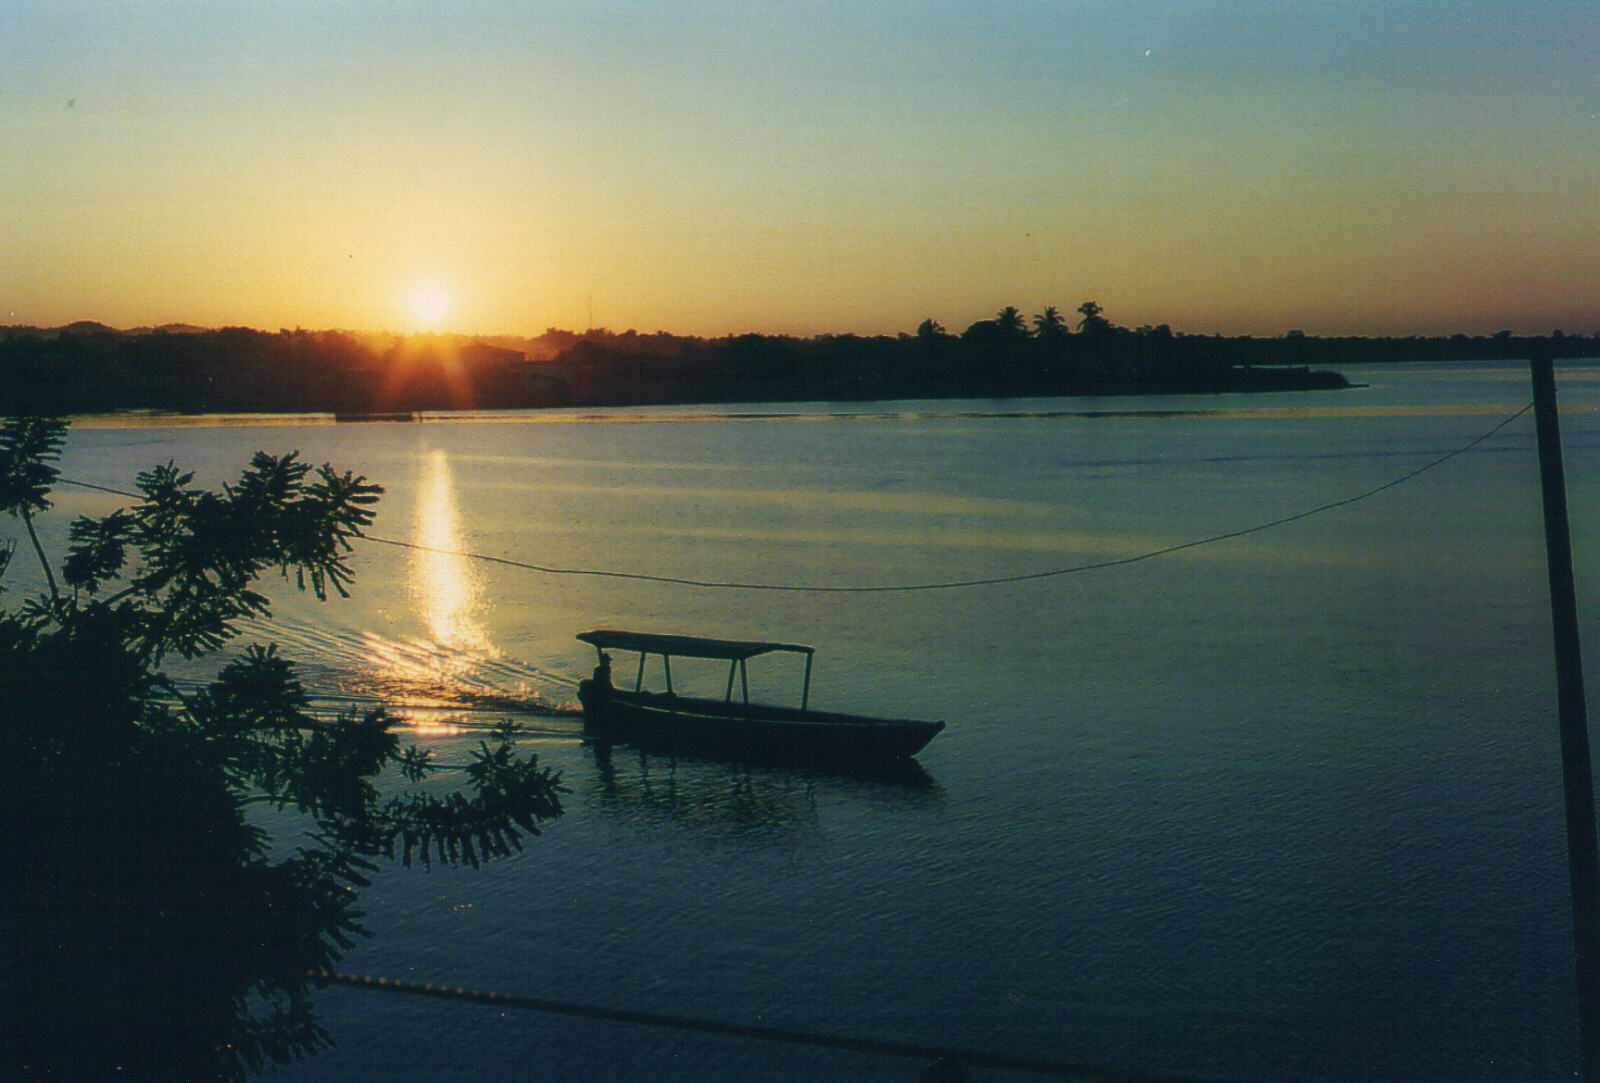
(1422, 168)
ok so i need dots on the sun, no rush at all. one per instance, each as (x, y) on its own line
(429, 305)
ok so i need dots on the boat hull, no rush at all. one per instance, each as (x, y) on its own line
(670, 723)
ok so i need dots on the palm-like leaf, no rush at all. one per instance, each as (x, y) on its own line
(1010, 321)
(28, 445)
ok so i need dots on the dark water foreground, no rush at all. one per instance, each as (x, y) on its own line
(1281, 807)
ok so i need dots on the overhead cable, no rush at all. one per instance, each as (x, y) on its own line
(1114, 562)
(953, 584)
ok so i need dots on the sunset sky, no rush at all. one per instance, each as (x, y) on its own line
(737, 165)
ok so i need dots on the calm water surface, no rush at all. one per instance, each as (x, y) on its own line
(1286, 806)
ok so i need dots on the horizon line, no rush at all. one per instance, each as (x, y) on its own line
(150, 328)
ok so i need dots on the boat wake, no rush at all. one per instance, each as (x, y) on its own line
(355, 668)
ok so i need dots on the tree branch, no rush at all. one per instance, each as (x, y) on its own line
(49, 575)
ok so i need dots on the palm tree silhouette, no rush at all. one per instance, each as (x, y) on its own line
(1093, 323)
(1010, 322)
(1049, 324)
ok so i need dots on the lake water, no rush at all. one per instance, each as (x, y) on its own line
(1283, 806)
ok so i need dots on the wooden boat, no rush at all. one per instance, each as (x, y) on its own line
(666, 721)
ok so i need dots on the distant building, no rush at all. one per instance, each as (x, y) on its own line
(480, 356)
(538, 384)
(506, 378)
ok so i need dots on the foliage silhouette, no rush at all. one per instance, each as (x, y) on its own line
(91, 368)
(1094, 321)
(150, 929)
(1010, 323)
(1049, 324)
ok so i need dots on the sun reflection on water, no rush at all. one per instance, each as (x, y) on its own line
(444, 587)
(432, 723)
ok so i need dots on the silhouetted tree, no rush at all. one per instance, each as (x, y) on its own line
(1093, 322)
(929, 329)
(150, 929)
(1010, 323)
(1049, 324)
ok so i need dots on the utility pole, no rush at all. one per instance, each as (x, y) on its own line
(1583, 853)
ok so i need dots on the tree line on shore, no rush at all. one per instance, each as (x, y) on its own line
(89, 367)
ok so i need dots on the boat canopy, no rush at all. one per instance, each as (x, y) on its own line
(734, 650)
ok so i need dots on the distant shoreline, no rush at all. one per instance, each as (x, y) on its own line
(91, 369)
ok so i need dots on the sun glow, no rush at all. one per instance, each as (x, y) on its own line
(429, 305)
